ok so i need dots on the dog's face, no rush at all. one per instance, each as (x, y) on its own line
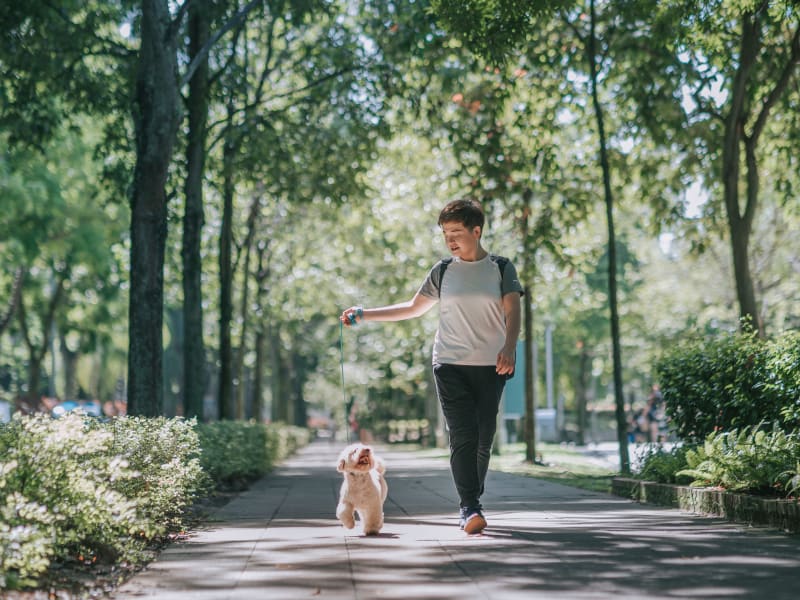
(356, 458)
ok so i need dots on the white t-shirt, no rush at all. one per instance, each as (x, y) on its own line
(472, 327)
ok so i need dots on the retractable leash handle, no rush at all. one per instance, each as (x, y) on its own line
(353, 317)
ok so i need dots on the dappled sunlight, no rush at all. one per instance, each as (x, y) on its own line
(544, 540)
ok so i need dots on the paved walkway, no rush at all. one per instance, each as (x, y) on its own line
(280, 540)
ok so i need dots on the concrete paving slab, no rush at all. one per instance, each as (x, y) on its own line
(280, 540)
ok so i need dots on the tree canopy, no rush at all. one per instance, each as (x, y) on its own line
(226, 177)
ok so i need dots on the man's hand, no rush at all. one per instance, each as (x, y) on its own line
(506, 360)
(352, 315)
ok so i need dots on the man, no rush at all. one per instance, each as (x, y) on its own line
(474, 348)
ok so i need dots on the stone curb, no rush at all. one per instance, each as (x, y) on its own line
(739, 508)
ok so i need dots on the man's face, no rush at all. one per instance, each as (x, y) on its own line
(461, 241)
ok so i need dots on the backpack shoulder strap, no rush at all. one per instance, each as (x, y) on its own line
(501, 262)
(443, 264)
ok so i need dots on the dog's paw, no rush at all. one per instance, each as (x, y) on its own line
(347, 523)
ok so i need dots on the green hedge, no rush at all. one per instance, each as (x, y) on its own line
(731, 382)
(237, 452)
(77, 489)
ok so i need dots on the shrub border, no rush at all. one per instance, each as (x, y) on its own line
(739, 508)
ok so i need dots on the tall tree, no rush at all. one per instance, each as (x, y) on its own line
(593, 57)
(195, 368)
(156, 116)
(732, 65)
(55, 222)
(478, 27)
(13, 299)
(302, 106)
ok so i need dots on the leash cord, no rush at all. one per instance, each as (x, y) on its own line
(344, 392)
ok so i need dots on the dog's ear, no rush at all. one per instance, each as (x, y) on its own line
(340, 466)
(380, 467)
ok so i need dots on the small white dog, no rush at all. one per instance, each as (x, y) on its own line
(363, 490)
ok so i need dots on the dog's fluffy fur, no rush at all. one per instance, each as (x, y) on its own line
(363, 490)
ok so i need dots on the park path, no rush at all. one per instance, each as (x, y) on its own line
(280, 540)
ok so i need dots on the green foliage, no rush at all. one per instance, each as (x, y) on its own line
(53, 59)
(58, 226)
(76, 489)
(58, 479)
(284, 440)
(730, 382)
(81, 490)
(492, 28)
(783, 366)
(165, 454)
(662, 466)
(237, 452)
(792, 479)
(750, 459)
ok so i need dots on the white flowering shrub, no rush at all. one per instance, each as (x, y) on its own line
(79, 489)
(165, 455)
(76, 488)
(59, 502)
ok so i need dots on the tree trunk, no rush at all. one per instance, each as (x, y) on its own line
(156, 116)
(740, 225)
(619, 399)
(280, 409)
(36, 354)
(581, 390)
(258, 376)
(70, 360)
(528, 268)
(530, 388)
(262, 281)
(244, 310)
(226, 408)
(16, 294)
(299, 376)
(195, 372)
(34, 378)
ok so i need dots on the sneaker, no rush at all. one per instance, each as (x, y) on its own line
(473, 520)
(462, 516)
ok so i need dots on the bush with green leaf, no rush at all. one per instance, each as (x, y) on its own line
(58, 479)
(661, 465)
(234, 452)
(748, 460)
(165, 454)
(731, 382)
(784, 367)
(284, 440)
(237, 452)
(80, 489)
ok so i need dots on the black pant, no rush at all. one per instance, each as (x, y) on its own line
(470, 399)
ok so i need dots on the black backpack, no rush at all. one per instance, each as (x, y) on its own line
(501, 261)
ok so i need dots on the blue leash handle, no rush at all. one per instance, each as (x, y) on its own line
(355, 316)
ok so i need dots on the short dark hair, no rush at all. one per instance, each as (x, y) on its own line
(466, 211)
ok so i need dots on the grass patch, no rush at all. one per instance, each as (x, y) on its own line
(559, 465)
